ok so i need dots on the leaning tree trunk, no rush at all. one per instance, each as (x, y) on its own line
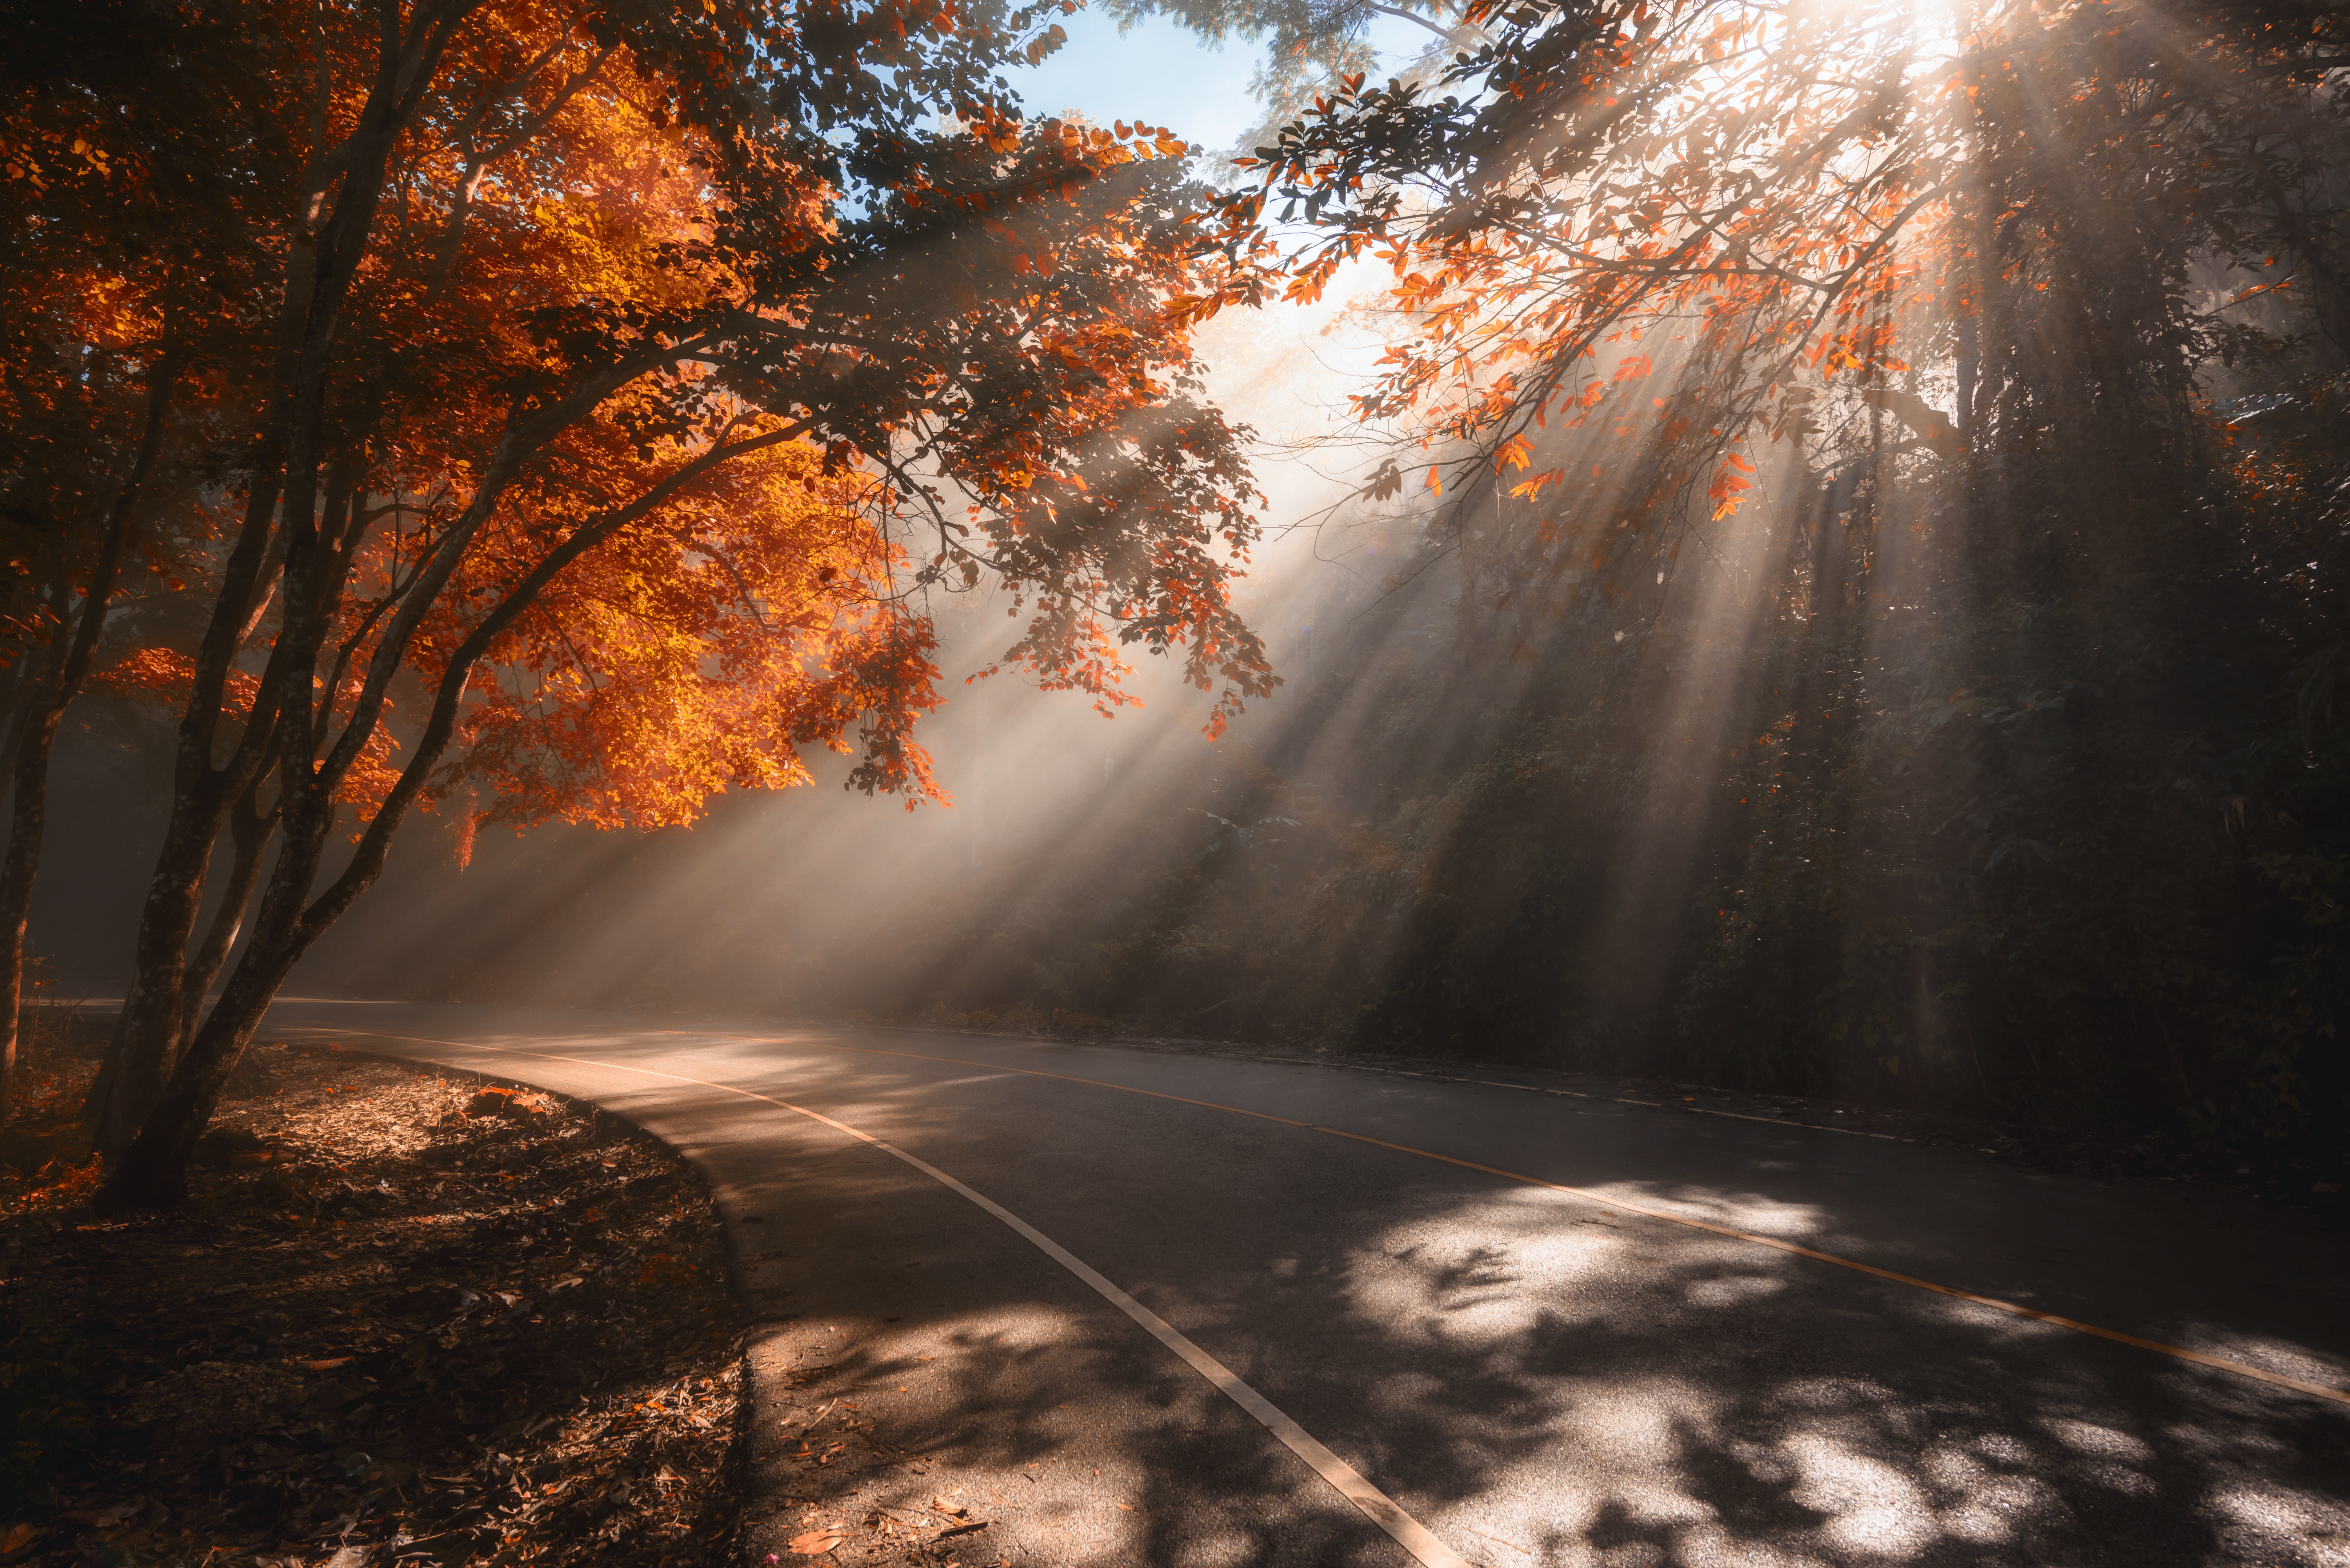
(154, 1010)
(158, 1007)
(154, 1005)
(249, 828)
(154, 1169)
(36, 731)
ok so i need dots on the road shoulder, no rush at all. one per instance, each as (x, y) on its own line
(408, 1316)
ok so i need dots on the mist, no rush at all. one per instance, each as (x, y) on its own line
(819, 901)
(1968, 745)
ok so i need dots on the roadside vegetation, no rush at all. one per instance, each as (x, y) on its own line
(402, 1317)
(1863, 604)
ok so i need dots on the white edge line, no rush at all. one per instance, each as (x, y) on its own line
(1380, 1509)
(1410, 1533)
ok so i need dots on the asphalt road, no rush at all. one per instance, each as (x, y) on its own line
(1624, 1372)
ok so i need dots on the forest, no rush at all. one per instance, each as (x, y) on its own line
(1892, 485)
(1840, 533)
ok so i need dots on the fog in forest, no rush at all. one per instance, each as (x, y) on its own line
(762, 756)
(1931, 702)
(822, 902)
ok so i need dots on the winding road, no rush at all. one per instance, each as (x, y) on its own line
(1214, 1311)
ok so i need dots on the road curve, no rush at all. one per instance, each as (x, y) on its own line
(1519, 1328)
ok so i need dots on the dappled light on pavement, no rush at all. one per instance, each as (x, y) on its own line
(1539, 1376)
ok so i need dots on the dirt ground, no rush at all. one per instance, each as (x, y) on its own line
(405, 1318)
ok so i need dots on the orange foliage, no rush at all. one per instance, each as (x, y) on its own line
(583, 402)
(1752, 192)
(687, 658)
(596, 329)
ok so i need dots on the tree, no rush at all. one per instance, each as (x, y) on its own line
(1311, 46)
(1891, 457)
(615, 359)
(122, 254)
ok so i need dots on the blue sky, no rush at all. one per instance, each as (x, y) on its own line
(1164, 74)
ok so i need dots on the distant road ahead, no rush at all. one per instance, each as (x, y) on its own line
(1516, 1328)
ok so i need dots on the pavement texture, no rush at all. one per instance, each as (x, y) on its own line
(1535, 1376)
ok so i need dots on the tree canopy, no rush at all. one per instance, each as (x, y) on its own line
(576, 404)
(1869, 474)
(1877, 612)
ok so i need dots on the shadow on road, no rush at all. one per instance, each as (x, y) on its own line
(1536, 1377)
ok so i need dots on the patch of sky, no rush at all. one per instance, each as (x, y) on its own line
(1163, 74)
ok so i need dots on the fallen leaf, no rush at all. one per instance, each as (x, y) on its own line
(817, 1543)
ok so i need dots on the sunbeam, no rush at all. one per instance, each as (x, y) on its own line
(1598, 747)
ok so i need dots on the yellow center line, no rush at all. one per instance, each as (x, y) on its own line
(2015, 1309)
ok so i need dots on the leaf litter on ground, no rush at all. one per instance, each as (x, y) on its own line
(406, 1319)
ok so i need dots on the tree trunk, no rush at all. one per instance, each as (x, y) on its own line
(249, 829)
(152, 1172)
(153, 1006)
(35, 731)
(27, 817)
(152, 1023)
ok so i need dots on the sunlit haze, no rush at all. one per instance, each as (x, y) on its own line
(1407, 784)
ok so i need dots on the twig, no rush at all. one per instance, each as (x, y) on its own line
(1491, 1536)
